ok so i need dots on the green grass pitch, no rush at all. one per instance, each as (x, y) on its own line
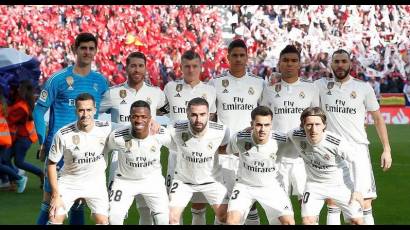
(391, 206)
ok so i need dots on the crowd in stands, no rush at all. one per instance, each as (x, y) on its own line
(376, 35)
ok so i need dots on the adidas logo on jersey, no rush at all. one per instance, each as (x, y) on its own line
(123, 102)
(76, 148)
(225, 91)
(177, 95)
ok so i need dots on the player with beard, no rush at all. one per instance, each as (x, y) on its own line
(197, 167)
(346, 101)
(117, 101)
(178, 94)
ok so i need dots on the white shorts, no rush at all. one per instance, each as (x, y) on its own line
(96, 197)
(366, 165)
(229, 164)
(293, 177)
(197, 196)
(153, 189)
(180, 193)
(139, 200)
(315, 195)
(273, 199)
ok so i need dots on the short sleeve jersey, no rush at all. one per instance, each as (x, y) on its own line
(327, 161)
(178, 94)
(84, 161)
(118, 100)
(236, 98)
(197, 157)
(138, 158)
(346, 106)
(287, 102)
(257, 162)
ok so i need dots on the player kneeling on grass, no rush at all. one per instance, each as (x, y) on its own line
(258, 172)
(139, 166)
(328, 158)
(81, 145)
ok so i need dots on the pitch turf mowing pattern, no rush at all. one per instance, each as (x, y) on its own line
(391, 206)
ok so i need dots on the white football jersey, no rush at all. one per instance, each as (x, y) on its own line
(84, 161)
(257, 162)
(197, 157)
(346, 106)
(327, 161)
(137, 158)
(287, 102)
(236, 98)
(178, 94)
(118, 100)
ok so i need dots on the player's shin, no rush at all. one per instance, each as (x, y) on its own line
(42, 218)
(161, 218)
(198, 216)
(368, 216)
(145, 216)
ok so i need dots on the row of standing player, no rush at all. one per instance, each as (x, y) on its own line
(236, 91)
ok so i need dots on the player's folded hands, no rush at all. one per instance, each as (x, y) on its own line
(55, 204)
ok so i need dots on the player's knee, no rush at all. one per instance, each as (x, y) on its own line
(161, 218)
(367, 204)
(221, 217)
(356, 221)
(233, 218)
(116, 218)
(101, 220)
(287, 220)
(309, 220)
(174, 217)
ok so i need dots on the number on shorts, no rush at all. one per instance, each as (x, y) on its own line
(174, 186)
(117, 196)
(168, 181)
(306, 197)
(234, 194)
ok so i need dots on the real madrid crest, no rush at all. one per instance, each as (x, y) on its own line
(248, 146)
(70, 82)
(278, 88)
(178, 88)
(76, 141)
(330, 85)
(251, 91)
(153, 149)
(302, 95)
(225, 83)
(123, 94)
(128, 145)
(353, 95)
(185, 137)
(326, 157)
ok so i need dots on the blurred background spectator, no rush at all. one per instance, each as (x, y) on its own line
(376, 35)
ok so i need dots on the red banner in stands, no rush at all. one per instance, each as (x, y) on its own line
(393, 115)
